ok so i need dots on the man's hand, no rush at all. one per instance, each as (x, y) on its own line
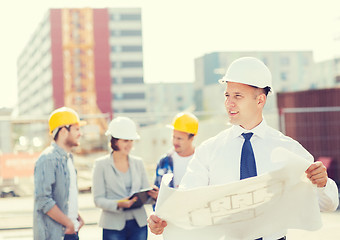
(154, 192)
(56, 214)
(69, 228)
(156, 224)
(317, 174)
(81, 222)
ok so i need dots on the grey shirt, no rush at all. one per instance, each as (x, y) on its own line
(52, 183)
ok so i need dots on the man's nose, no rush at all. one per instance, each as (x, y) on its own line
(229, 102)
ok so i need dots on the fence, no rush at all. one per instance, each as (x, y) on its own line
(318, 130)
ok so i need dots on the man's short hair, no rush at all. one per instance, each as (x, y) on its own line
(265, 90)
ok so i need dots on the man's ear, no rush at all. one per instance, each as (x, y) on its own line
(261, 99)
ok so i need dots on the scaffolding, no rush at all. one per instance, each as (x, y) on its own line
(78, 63)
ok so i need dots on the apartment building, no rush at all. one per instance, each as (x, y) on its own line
(87, 59)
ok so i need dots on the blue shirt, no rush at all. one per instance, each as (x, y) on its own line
(164, 166)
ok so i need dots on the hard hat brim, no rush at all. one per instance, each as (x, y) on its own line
(173, 128)
(225, 80)
(135, 137)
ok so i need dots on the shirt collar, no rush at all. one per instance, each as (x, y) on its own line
(60, 151)
(259, 130)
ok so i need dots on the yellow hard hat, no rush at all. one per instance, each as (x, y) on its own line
(185, 122)
(62, 117)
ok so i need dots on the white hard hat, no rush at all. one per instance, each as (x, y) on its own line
(122, 128)
(250, 71)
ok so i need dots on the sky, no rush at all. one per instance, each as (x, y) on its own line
(175, 32)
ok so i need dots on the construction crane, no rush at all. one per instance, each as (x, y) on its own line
(78, 63)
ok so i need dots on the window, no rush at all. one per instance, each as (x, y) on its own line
(114, 80)
(132, 64)
(313, 86)
(114, 17)
(117, 96)
(134, 110)
(283, 76)
(284, 61)
(125, 33)
(132, 48)
(130, 17)
(305, 61)
(133, 96)
(115, 49)
(128, 96)
(131, 33)
(132, 80)
(337, 79)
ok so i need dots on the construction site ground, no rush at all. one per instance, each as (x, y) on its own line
(16, 221)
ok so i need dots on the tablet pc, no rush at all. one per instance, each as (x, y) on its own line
(142, 196)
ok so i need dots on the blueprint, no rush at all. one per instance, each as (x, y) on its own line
(247, 209)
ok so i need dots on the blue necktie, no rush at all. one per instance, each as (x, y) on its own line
(248, 165)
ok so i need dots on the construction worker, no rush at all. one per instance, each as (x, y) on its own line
(56, 192)
(244, 150)
(116, 176)
(185, 127)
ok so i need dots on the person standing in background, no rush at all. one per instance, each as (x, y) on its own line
(55, 181)
(185, 127)
(117, 176)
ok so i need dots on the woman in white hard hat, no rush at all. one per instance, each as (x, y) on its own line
(117, 176)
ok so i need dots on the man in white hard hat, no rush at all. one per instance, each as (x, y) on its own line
(185, 127)
(56, 192)
(244, 150)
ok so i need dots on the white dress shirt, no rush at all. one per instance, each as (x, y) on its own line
(217, 161)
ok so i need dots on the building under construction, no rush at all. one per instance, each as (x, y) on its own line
(88, 59)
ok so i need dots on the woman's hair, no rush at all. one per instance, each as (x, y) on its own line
(114, 144)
